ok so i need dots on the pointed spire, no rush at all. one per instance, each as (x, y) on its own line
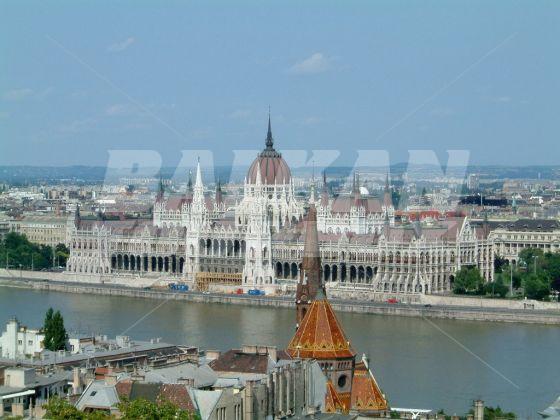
(189, 183)
(310, 286)
(311, 257)
(198, 195)
(325, 191)
(189, 186)
(198, 180)
(219, 199)
(161, 190)
(356, 187)
(387, 197)
(312, 197)
(269, 140)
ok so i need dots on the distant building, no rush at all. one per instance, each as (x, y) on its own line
(41, 229)
(512, 237)
(473, 182)
(4, 225)
(354, 213)
(19, 341)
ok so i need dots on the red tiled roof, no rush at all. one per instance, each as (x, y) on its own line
(366, 395)
(238, 361)
(320, 335)
(333, 403)
(176, 394)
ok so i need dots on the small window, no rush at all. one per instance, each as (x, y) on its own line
(341, 381)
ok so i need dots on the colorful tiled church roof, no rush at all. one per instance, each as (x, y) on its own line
(333, 403)
(320, 335)
(366, 395)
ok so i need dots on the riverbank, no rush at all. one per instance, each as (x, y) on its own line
(437, 311)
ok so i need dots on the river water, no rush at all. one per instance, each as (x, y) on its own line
(418, 363)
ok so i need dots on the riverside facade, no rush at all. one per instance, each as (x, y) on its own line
(257, 243)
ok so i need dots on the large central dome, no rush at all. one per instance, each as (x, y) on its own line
(273, 168)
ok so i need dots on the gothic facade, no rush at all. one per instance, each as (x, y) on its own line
(260, 238)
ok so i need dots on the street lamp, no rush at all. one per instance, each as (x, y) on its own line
(511, 278)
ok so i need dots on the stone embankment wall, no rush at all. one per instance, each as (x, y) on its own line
(344, 300)
(364, 295)
(122, 280)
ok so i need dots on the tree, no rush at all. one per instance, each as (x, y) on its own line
(491, 413)
(529, 255)
(551, 265)
(59, 409)
(55, 333)
(496, 288)
(62, 253)
(141, 408)
(499, 264)
(468, 281)
(47, 329)
(17, 251)
(138, 409)
(537, 286)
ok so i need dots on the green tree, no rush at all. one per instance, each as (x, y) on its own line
(541, 274)
(491, 413)
(62, 253)
(47, 329)
(138, 409)
(55, 333)
(18, 252)
(499, 264)
(468, 281)
(537, 286)
(143, 409)
(59, 409)
(551, 265)
(496, 288)
(529, 257)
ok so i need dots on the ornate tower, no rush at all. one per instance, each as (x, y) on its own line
(268, 187)
(387, 198)
(310, 280)
(350, 384)
(197, 221)
(219, 199)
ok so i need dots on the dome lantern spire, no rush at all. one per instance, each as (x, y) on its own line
(269, 140)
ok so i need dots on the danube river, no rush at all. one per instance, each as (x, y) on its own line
(418, 363)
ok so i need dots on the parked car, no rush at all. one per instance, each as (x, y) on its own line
(256, 292)
(392, 300)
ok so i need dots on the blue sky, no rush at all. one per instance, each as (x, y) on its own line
(77, 80)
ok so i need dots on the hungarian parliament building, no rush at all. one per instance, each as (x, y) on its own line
(199, 238)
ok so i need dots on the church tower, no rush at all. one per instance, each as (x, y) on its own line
(351, 386)
(310, 281)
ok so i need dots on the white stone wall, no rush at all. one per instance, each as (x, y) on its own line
(18, 341)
